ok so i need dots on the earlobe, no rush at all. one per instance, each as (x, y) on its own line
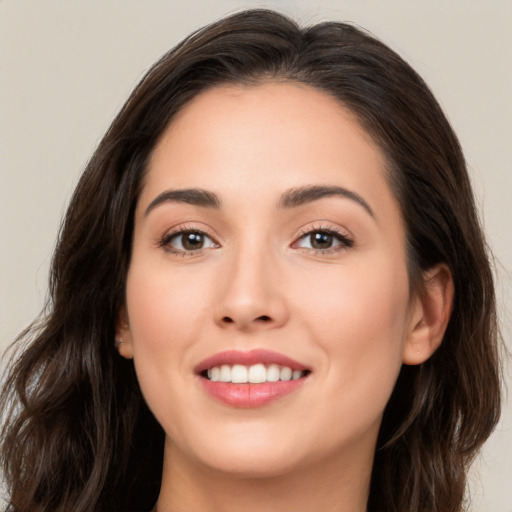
(430, 315)
(123, 340)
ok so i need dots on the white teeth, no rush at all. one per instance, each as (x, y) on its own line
(214, 374)
(286, 373)
(239, 374)
(273, 373)
(255, 374)
(225, 373)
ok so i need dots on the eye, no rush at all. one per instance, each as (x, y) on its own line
(187, 240)
(323, 240)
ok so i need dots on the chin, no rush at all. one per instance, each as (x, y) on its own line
(246, 455)
(253, 465)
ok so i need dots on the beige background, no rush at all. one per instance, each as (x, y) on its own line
(66, 68)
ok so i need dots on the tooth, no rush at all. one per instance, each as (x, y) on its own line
(257, 374)
(286, 373)
(273, 373)
(214, 374)
(239, 374)
(225, 373)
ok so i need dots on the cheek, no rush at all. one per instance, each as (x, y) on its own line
(363, 302)
(166, 315)
(164, 310)
(360, 321)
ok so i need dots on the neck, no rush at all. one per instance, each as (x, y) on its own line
(329, 486)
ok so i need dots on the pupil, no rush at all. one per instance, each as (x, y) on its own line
(321, 240)
(192, 241)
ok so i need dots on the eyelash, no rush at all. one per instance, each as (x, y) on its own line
(167, 238)
(345, 241)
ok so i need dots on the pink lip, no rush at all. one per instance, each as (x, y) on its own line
(248, 358)
(249, 395)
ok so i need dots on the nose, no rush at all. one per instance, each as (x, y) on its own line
(252, 295)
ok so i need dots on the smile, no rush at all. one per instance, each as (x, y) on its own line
(254, 374)
(250, 379)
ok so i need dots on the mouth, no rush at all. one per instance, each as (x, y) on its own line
(254, 374)
(250, 379)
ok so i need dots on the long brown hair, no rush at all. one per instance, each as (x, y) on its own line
(77, 434)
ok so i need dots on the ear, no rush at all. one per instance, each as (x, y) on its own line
(123, 341)
(430, 313)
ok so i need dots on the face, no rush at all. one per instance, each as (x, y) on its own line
(269, 247)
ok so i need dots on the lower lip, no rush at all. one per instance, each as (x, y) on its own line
(250, 395)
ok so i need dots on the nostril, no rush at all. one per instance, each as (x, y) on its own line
(259, 319)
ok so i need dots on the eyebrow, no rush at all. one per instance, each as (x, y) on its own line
(194, 196)
(290, 199)
(303, 195)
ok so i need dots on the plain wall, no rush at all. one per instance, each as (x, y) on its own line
(67, 67)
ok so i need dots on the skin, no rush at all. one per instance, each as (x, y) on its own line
(346, 311)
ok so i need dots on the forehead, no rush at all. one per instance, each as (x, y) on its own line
(291, 112)
(254, 139)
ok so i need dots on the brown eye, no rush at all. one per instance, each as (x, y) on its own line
(324, 240)
(321, 240)
(192, 241)
(187, 241)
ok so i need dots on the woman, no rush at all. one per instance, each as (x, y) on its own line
(271, 292)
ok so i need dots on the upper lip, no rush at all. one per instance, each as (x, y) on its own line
(249, 358)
